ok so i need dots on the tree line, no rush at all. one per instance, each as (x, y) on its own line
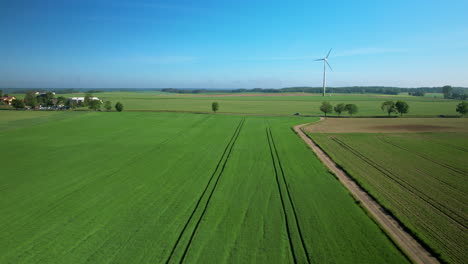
(421, 91)
(389, 107)
(451, 93)
(327, 108)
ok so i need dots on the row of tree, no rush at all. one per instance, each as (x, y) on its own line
(387, 106)
(327, 108)
(95, 105)
(456, 92)
(48, 99)
(450, 93)
(390, 107)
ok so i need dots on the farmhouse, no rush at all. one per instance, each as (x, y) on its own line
(81, 99)
(8, 99)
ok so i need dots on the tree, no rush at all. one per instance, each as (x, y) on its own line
(1, 93)
(94, 104)
(447, 90)
(339, 108)
(16, 103)
(30, 99)
(71, 104)
(389, 107)
(119, 106)
(402, 107)
(108, 106)
(49, 99)
(88, 98)
(462, 108)
(326, 108)
(351, 109)
(61, 100)
(215, 106)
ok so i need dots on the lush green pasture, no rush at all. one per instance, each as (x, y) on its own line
(287, 105)
(422, 178)
(369, 105)
(156, 187)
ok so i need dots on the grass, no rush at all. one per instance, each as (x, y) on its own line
(156, 187)
(306, 104)
(420, 177)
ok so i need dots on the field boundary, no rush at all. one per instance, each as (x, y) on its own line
(409, 245)
(218, 171)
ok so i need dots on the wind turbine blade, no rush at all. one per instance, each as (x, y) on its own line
(318, 59)
(328, 53)
(329, 65)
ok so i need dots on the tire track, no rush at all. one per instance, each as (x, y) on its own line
(277, 164)
(405, 185)
(199, 206)
(454, 169)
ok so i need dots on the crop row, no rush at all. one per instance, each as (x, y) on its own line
(405, 185)
(427, 197)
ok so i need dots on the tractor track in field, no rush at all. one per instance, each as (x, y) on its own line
(404, 184)
(199, 206)
(454, 169)
(414, 250)
(274, 153)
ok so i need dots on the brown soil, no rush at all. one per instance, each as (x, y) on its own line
(412, 128)
(389, 125)
(391, 226)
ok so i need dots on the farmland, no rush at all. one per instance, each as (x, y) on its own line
(306, 104)
(167, 188)
(416, 168)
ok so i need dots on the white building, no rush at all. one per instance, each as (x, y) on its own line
(81, 99)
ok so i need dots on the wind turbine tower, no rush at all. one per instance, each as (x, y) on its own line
(325, 63)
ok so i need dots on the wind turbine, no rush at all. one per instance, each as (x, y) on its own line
(325, 61)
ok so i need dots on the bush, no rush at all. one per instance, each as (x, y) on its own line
(119, 107)
(215, 106)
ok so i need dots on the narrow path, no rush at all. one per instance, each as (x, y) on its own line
(402, 238)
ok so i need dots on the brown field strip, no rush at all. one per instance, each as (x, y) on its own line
(389, 125)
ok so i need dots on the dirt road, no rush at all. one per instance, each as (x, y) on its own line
(402, 238)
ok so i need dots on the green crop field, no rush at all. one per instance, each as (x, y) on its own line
(306, 104)
(422, 178)
(98, 187)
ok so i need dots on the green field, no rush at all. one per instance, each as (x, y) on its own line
(422, 178)
(308, 104)
(90, 187)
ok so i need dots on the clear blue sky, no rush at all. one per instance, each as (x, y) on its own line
(231, 44)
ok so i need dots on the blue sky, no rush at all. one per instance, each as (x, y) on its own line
(231, 44)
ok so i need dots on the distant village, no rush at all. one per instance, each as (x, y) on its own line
(49, 101)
